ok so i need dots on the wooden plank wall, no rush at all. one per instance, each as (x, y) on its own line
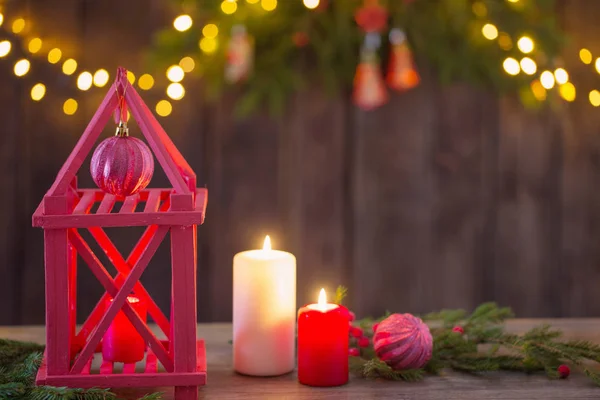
(445, 197)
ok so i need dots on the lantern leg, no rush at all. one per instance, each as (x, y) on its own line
(183, 309)
(58, 314)
(75, 347)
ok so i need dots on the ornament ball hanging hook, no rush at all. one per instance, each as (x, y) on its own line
(121, 88)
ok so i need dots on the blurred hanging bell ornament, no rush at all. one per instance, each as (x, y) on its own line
(401, 74)
(122, 165)
(240, 55)
(369, 87)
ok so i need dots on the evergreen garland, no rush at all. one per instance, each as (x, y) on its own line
(485, 346)
(445, 35)
(19, 363)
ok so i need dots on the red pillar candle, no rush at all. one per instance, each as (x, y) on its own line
(323, 344)
(122, 342)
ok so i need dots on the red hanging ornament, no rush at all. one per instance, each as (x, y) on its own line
(122, 165)
(300, 39)
(369, 87)
(240, 55)
(372, 17)
(402, 74)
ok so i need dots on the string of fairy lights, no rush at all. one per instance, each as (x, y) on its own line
(208, 43)
(547, 79)
(85, 80)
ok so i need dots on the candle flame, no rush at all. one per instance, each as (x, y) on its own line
(322, 298)
(267, 243)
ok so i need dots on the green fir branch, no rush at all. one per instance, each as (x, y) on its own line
(485, 347)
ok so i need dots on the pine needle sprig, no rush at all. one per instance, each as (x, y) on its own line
(12, 391)
(64, 393)
(375, 368)
(152, 396)
(340, 293)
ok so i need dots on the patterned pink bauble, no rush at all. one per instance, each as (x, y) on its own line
(403, 341)
(122, 165)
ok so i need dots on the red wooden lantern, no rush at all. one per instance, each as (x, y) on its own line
(66, 209)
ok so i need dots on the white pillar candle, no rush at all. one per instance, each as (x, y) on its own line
(264, 311)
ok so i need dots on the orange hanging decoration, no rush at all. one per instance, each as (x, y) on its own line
(369, 87)
(402, 74)
(240, 55)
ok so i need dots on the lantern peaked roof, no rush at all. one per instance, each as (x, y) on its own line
(121, 96)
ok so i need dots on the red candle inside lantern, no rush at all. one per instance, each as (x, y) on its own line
(122, 342)
(323, 344)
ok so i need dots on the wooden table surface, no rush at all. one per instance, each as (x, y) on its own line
(224, 384)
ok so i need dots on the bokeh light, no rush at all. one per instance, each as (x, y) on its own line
(146, 82)
(311, 4)
(38, 91)
(175, 73)
(164, 108)
(547, 79)
(561, 76)
(187, 64)
(175, 91)
(35, 45)
(268, 5)
(228, 7)
(525, 44)
(54, 56)
(69, 67)
(84, 80)
(183, 22)
(101, 77)
(595, 98)
(70, 106)
(18, 25)
(586, 56)
(5, 47)
(511, 66)
(22, 67)
(528, 66)
(567, 91)
(208, 45)
(210, 31)
(489, 31)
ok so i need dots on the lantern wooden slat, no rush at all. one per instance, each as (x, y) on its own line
(129, 368)
(67, 208)
(106, 368)
(107, 204)
(129, 204)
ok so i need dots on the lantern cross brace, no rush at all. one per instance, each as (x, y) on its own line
(119, 296)
(106, 205)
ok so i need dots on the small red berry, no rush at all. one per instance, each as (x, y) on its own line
(375, 327)
(363, 342)
(356, 332)
(352, 316)
(353, 351)
(458, 329)
(564, 371)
